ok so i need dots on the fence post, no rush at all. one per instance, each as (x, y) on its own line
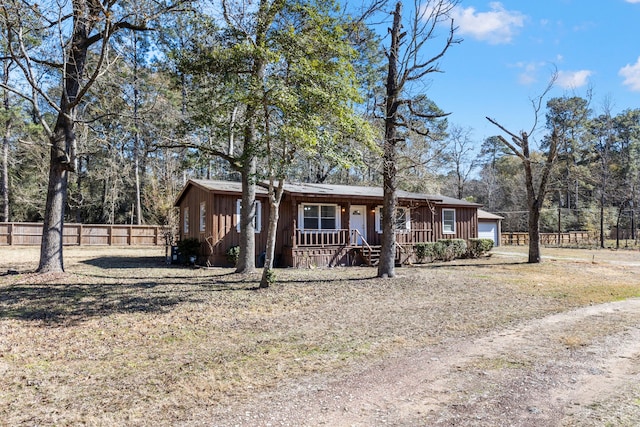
(10, 236)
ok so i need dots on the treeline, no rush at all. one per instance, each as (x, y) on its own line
(167, 109)
(595, 182)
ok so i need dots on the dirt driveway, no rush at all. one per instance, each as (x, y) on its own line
(546, 372)
(577, 368)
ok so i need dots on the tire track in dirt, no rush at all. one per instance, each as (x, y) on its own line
(543, 372)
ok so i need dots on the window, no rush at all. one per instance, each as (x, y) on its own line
(402, 220)
(257, 219)
(185, 220)
(319, 217)
(448, 221)
(203, 216)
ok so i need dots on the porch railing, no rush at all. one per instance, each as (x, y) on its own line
(322, 238)
(414, 236)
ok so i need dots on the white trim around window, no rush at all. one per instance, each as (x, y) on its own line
(185, 220)
(403, 218)
(203, 216)
(448, 221)
(318, 216)
(257, 221)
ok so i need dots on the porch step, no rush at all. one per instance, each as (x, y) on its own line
(373, 256)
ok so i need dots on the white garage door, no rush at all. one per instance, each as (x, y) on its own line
(488, 230)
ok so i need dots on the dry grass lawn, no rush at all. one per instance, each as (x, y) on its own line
(123, 338)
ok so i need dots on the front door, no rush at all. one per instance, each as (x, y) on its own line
(358, 221)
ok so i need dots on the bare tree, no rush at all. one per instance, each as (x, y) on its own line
(6, 136)
(72, 45)
(535, 180)
(459, 155)
(407, 64)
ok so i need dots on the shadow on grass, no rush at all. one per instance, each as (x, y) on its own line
(445, 265)
(70, 304)
(118, 262)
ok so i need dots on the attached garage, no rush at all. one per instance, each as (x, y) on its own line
(489, 226)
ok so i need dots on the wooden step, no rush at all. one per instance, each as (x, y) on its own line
(372, 256)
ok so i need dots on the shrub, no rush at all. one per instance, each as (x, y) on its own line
(270, 276)
(425, 251)
(233, 253)
(188, 248)
(479, 247)
(450, 249)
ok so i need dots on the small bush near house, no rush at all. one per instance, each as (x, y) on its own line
(233, 253)
(479, 247)
(189, 247)
(425, 251)
(450, 249)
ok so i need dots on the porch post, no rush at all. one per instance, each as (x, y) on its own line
(294, 215)
(348, 212)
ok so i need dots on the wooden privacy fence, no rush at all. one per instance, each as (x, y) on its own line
(28, 234)
(571, 237)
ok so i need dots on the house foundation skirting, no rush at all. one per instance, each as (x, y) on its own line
(307, 257)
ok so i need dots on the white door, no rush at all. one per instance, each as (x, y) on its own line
(488, 230)
(358, 221)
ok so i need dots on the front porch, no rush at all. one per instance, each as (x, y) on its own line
(331, 248)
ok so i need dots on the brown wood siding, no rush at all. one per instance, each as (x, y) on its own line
(221, 233)
(192, 200)
(220, 225)
(466, 223)
(421, 218)
(285, 231)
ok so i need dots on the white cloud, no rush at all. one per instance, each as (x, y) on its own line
(573, 79)
(530, 71)
(496, 26)
(633, 1)
(631, 73)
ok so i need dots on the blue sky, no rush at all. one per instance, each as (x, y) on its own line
(511, 49)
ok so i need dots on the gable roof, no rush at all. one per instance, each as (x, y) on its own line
(222, 187)
(337, 190)
(328, 190)
(488, 215)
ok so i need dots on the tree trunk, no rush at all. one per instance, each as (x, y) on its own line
(534, 234)
(79, 196)
(386, 267)
(275, 196)
(136, 137)
(4, 183)
(63, 144)
(633, 222)
(602, 221)
(138, 205)
(247, 258)
(51, 259)
(618, 226)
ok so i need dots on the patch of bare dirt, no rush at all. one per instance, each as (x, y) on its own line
(576, 368)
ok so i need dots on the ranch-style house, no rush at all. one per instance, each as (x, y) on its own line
(321, 225)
